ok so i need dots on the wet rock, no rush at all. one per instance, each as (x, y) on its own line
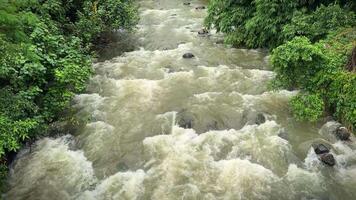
(188, 55)
(200, 8)
(203, 32)
(185, 123)
(185, 119)
(328, 159)
(260, 119)
(186, 3)
(342, 133)
(321, 149)
(283, 135)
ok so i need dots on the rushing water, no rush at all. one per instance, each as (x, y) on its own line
(132, 146)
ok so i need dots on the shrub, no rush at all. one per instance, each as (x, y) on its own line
(307, 107)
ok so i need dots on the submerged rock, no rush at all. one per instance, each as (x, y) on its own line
(342, 133)
(321, 149)
(283, 135)
(260, 119)
(188, 55)
(328, 159)
(203, 32)
(200, 8)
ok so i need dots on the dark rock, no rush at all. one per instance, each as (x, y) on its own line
(328, 159)
(185, 123)
(200, 8)
(185, 119)
(188, 55)
(283, 135)
(320, 149)
(342, 133)
(203, 31)
(186, 3)
(260, 119)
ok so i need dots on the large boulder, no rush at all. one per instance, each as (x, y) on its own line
(320, 149)
(188, 55)
(328, 159)
(342, 133)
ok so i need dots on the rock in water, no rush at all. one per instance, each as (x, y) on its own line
(200, 8)
(260, 119)
(320, 149)
(185, 123)
(203, 31)
(283, 135)
(186, 3)
(328, 159)
(188, 55)
(342, 133)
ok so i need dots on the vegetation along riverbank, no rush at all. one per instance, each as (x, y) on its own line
(46, 58)
(312, 44)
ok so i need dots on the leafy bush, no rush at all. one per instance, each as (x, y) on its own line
(297, 62)
(262, 23)
(319, 68)
(103, 16)
(319, 23)
(307, 107)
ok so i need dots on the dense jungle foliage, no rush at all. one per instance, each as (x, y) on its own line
(313, 48)
(45, 58)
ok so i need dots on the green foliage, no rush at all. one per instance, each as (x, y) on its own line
(297, 62)
(319, 23)
(307, 107)
(45, 59)
(319, 68)
(103, 16)
(262, 23)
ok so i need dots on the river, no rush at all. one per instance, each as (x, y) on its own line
(159, 126)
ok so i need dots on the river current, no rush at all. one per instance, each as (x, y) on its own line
(162, 127)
